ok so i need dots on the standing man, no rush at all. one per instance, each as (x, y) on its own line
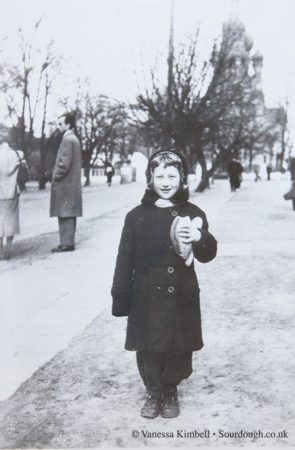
(109, 172)
(234, 170)
(66, 191)
(268, 171)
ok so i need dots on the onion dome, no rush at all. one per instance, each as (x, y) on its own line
(257, 57)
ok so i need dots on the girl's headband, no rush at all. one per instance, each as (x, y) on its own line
(171, 155)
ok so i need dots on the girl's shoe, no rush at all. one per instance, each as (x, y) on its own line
(151, 407)
(170, 408)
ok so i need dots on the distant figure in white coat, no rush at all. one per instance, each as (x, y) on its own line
(10, 161)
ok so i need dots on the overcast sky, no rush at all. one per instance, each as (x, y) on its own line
(115, 42)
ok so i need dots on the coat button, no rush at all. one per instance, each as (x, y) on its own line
(171, 289)
(170, 269)
(174, 213)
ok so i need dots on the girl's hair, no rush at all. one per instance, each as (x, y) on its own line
(167, 158)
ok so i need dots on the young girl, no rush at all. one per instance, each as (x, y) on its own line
(156, 288)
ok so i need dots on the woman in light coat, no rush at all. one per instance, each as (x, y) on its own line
(9, 196)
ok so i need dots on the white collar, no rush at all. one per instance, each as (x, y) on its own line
(163, 203)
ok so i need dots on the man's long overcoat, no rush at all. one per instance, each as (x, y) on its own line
(153, 286)
(66, 192)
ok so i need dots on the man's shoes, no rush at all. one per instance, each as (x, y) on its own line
(151, 407)
(63, 248)
(170, 408)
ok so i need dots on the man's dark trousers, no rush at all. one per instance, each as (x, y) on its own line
(67, 230)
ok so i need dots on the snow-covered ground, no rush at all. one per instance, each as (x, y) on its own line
(87, 392)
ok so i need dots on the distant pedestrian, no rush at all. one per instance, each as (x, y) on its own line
(292, 168)
(256, 169)
(290, 195)
(109, 172)
(66, 191)
(10, 161)
(268, 171)
(155, 284)
(235, 170)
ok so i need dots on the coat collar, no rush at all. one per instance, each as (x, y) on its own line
(68, 132)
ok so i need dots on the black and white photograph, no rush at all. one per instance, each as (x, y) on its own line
(147, 224)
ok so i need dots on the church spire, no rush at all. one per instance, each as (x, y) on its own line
(234, 10)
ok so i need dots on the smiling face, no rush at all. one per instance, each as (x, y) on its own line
(166, 181)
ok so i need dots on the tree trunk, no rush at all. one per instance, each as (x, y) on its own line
(22, 184)
(207, 174)
(190, 157)
(204, 183)
(42, 184)
(87, 174)
(283, 151)
(250, 157)
(41, 176)
(86, 159)
(23, 126)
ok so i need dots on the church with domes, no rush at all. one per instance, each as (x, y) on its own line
(265, 128)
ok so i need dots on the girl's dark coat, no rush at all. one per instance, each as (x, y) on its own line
(153, 286)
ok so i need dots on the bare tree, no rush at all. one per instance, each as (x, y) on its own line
(26, 85)
(199, 100)
(23, 77)
(282, 119)
(100, 125)
(50, 69)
